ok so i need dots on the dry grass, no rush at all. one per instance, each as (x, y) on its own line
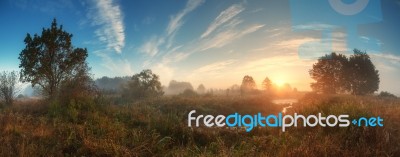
(159, 128)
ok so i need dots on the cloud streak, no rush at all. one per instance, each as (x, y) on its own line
(151, 47)
(223, 17)
(213, 67)
(118, 66)
(176, 21)
(223, 38)
(163, 44)
(109, 17)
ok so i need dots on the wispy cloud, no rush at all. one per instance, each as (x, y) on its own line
(274, 62)
(214, 70)
(213, 67)
(108, 16)
(174, 57)
(223, 38)
(388, 56)
(119, 66)
(165, 72)
(223, 17)
(177, 20)
(386, 61)
(151, 47)
(217, 41)
(314, 26)
(226, 28)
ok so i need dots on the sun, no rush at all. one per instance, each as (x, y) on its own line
(280, 82)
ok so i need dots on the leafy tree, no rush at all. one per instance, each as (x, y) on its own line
(143, 85)
(363, 77)
(335, 73)
(329, 74)
(267, 84)
(111, 85)
(80, 87)
(49, 59)
(248, 85)
(201, 89)
(8, 81)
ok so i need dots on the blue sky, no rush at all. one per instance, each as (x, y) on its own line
(212, 42)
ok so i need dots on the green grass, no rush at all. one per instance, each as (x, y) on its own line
(159, 128)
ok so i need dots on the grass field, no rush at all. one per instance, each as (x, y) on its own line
(158, 127)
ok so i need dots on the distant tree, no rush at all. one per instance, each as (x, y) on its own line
(176, 87)
(111, 85)
(329, 74)
(8, 81)
(201, 89)
(385, 94)
(363, 77)
(143, 85)
(248, 85)
(50, 59)
(267, 84)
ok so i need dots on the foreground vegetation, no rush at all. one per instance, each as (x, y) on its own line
(158, 127)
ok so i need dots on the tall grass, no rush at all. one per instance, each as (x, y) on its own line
(158, 127)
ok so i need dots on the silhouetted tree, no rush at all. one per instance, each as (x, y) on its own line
(335, 73)
(385, 94)
(50, 59)
(248, 85)
(362, 75)
(329, 74)
(201, 89)
(267, 84)
(143, 85)
(8, 81)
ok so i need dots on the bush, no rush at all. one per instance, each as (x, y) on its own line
(385, 94)
(188, 93)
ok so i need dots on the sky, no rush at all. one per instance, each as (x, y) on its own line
(214, 43)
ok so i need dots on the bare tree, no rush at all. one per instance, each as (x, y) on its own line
(8, 81)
